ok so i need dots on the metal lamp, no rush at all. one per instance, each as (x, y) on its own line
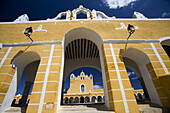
(131, 30)
(28, 31)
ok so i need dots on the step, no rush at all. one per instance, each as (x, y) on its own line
(86, 112)
(78, 109)
(89, 108)
(13, 110)
(146, 108)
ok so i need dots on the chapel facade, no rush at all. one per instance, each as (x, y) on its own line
(82, 90)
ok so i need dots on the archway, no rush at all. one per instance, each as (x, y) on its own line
(13, 102)
(81, 99)
(66, 100)
(99, 98)
(139, 96)
(87, 99)
(27, 62)
(71, 100)
(93, 99)
(137, 60)
(165, 42)
(82, 48)
(76, 100)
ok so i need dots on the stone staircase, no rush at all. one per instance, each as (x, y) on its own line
(146, 108)
(13, 110)
(88, 108)
(96, 108)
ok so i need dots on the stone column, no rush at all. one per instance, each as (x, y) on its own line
(26, 91)
(120, 91)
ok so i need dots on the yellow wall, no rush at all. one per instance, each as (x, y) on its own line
(148, 29)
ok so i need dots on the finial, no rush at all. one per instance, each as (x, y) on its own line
(80, 6)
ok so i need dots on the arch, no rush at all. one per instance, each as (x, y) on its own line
(85, 33)
(99, 98)
(87, 99)
(165, 42)
(76, 99)
(13, 102)
(93, 99)
(139, 96)
(137, 60)
(66, 100)
(135, 96)
(28, 101)
(163, 39)
(88, 34)
(21, 61)
(81, 99)
(20, 101)
(82, 88)
(71, 100)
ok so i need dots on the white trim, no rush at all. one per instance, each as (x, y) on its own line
(160, 59)
(6, 74)
(61, 78)
(5, 83)
(121, 100)
(2, 93)
(33, 104)
(120, 81)
(4, 58)
(51, 92)
(156, 69)
(120, 89)
(163, 39)
(116, 79)
(110, 19)
(54, 72)
(39, 82)
(54, 81)
(36, 92)
(41, 72)
(45, 79)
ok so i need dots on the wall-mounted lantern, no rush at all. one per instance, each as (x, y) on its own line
(28, 31)
(131, 30)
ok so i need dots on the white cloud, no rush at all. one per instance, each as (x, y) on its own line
(113, 4)
(97, 87)
(166, 14)
(129, 73)
(134, 78)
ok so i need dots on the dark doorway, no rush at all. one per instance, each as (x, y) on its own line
(87, 99)
(76, 100)
(99, 99)
(81, 99)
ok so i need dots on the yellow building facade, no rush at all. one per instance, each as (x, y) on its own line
(91, 42)
(82, 90)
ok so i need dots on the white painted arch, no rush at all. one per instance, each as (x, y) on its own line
(93, 36)
(141, 59)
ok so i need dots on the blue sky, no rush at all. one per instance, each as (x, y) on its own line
(97, 79)
(43, 9)
(97, 76)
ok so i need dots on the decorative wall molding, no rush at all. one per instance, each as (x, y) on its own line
(39, 29)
